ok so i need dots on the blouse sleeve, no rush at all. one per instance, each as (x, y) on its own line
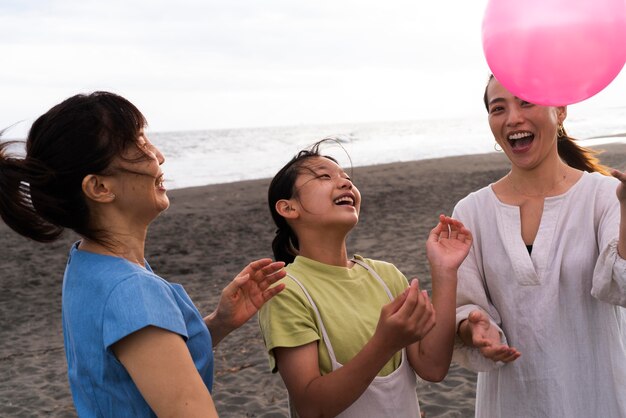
(287, 320)
(138, 302)
(609, 277)
(473, 294)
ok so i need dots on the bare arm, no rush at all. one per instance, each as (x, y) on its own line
(447, 246)
(161, 366)
(405, 320)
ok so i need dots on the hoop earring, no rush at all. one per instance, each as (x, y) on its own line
(560, 132)
(497, 147)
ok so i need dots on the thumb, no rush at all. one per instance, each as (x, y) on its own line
(236, 284)
(393, 306)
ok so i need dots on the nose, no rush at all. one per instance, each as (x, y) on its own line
(345, 183)
(514, 116)
(159, 155)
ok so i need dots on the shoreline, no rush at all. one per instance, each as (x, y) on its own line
(203, 240)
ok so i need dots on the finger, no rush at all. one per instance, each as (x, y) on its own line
(393, 306)
(259, 264)
(423, 309)
(510, 357)
(235, 284)
(436, 232)
(476, 316)
(504, 354)
(273, 267)
(618, 175)
(412, 294)
(273, 291)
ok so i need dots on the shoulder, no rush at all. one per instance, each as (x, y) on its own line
(387, 271)
(377, 264)
(598, 181)
(480, 195)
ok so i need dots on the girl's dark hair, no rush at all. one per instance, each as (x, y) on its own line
(41, 194)
(573, 154)
(285, 244)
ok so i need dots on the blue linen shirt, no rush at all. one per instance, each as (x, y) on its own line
(105, 299)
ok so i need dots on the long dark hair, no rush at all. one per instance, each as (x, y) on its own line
(573, 154)
(41, 194)
(285, 244)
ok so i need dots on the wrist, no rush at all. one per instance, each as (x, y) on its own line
(217, 327)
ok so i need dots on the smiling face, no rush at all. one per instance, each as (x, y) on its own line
(324, 195)
(526, 132)
(138, 180)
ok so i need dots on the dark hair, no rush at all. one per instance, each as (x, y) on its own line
(285, 244)
(573, 154)
(41, 194)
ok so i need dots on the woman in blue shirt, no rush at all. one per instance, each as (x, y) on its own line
(135, 344)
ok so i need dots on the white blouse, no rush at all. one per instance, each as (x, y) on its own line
(560, 306)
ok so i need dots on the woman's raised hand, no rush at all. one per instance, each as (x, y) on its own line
(244, 296)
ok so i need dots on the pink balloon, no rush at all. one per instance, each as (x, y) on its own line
(555, 52)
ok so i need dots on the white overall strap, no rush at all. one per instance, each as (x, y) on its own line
(373, 273)
(329, 347)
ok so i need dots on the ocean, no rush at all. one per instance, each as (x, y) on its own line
(196, 158)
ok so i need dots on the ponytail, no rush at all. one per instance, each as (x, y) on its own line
(285, 245)
(16, 203)
(578, 157)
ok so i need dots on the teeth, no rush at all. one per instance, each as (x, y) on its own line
(344, 199)
(519, 135)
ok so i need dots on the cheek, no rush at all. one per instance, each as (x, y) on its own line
(494, 125)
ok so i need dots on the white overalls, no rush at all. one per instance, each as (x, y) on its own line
(393, 395)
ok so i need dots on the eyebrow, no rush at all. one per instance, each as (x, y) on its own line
(496, 100)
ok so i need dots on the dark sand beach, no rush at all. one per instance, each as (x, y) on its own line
(202, 241)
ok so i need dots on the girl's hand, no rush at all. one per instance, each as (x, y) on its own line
(448, 243)
(244, 296)
(406, 319)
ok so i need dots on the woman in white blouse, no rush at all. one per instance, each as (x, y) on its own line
(540, 295)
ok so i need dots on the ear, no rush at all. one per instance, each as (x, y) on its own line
(96, 189)
(286, 209)
(561, 113)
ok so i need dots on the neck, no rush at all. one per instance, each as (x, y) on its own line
(126, 247)
(546, 180)
(328, 248)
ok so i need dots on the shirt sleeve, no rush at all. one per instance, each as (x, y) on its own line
(609, 277)
(138, 302)
(472, 294)
(287, 320)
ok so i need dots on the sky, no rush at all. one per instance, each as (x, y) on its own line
(206, 64)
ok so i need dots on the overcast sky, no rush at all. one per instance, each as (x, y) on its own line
(205, 64)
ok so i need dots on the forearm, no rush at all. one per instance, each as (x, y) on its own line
(621, 243)
(330, 394)
(431, 356)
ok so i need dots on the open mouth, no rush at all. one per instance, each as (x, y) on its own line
(159, 181)
(520, 140)
(344, 200)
